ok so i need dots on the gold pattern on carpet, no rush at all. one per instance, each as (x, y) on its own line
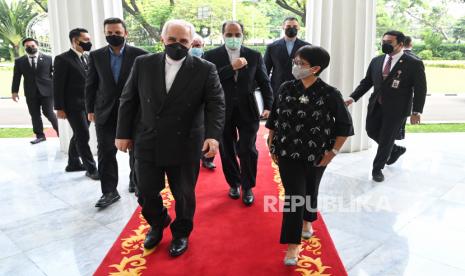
(134, 265)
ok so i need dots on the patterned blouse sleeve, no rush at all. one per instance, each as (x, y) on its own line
(270, 123)
(343, 125)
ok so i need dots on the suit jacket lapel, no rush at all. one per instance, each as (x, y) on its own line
(107, 62)
(284, 47)
(394, 69)
(297, 45)
(27, 65)
(181, 81)
(77, 62)
(125, 66)
(244, 69)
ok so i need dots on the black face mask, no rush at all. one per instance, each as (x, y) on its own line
(31, 51)
(387, 48)
(176, 51)
(291, 32)
(86, 46)
(115, 40)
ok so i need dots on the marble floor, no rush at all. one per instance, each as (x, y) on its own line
(412, 224)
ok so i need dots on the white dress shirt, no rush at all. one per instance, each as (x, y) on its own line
(171, 70)
(234, 54)
(36, 57)
(395, 59)
(79, 54)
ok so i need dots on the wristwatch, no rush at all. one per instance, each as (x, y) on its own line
(335, 151)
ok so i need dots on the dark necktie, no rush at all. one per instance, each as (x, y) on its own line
(84, 63)
(33, 63)
(386, 71)
(387, 68)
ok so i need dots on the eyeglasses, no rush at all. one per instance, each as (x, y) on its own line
(299, 62)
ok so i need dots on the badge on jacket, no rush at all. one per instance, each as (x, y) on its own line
(396, 80)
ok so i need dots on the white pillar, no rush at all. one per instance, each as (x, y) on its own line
(347, 29)
(65, 15)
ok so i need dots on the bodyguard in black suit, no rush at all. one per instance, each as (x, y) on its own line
(181, 106)
(399, 91)
(279, 54)
(69, 84)
(109, 68)
(408, 45)
(240, 68)
(37, 70)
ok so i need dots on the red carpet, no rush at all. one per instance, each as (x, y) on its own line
(228, 238)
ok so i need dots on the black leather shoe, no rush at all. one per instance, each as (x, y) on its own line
(38, 140)
(395, 155)
(208, 165)
(132, 187)
(247, 197)
(75, 168)
(93, 175)
(107, 199)
(234, 192)
(155, 235)
(178, 246)
(378, 175)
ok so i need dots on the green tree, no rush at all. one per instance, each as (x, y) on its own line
(297, 7)
(13, 23)
(458, 30)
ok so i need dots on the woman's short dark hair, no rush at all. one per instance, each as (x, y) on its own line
(114, 20)
(30, 39)
(400, 37)
(315, 55)
(76, 33)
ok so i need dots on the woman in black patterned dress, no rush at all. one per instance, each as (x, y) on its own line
(308, 126)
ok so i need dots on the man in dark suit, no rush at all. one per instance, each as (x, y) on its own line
(279, 54)
(69, 84)
(240, 68)
(399, 85)
(109, 68)
(37, 70)
(408, 46)
(198, 51)
(181, 107)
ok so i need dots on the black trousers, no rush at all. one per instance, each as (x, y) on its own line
(182, 180)
(301, 181)
(132, 173)
(34, 104)
(79, 143)
(383, 127)
(106, 152)
(238, 140)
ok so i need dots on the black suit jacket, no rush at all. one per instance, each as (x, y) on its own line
(244, 89)
(409, 52)
(102, 92)
(69, 82)
(279, 63)
(172, 125)
(34, 80)
(398, 101)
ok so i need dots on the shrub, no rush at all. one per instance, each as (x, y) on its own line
(426, 54)
(454, 55)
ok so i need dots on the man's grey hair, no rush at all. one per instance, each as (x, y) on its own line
(179, 22)
(199, 38)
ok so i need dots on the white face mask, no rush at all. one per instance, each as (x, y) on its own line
(300, 73)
